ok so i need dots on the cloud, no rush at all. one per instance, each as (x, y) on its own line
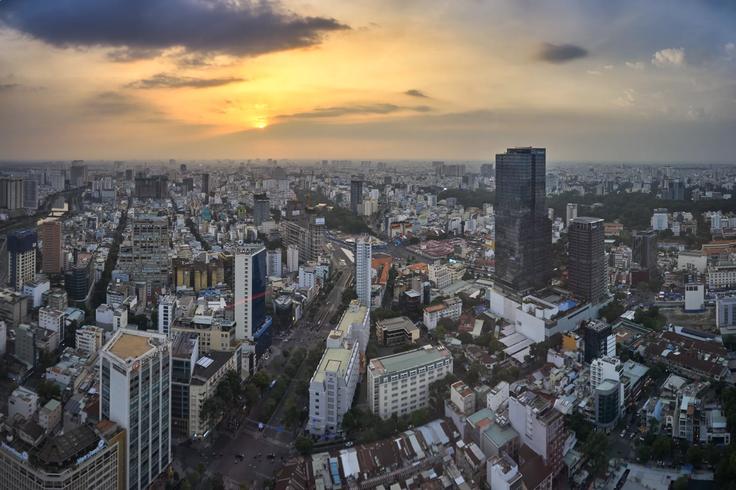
(416, 93)
(628, 99)
(730, 49)
(7, 86)
(163, 80)
(126, 54)
(669, 57)
(113, 104)
(358, 109)
(560, 53)
(145, 27)
(635, 65)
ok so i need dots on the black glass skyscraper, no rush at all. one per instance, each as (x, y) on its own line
(586, 265)
(523, 231)
(356, 195)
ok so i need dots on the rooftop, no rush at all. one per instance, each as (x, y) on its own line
(410, 359)
(131, 344)
(398, 323)
(333, 360)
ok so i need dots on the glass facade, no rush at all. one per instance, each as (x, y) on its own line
(523, 230)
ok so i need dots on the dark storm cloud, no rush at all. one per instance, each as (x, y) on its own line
(416, 93)
(148, 26)
(560, 53)
(125, 54)
(162, 80)
(349, 110)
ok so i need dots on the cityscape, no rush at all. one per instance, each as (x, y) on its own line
(239, 251)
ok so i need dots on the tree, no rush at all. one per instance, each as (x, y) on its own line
(304, 445)
(596, 450)
(644, 453)
(449, 324)
(440, 332)
(662, 447)
(48, 390)
(695, 455)
(261, 380)
(681, 483)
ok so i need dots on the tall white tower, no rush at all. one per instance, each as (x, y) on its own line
(249, 277)
(135, 382)
(363, 269)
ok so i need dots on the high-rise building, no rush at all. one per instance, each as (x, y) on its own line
(166, 312)
(540, 425)
(363, 270)
(261, 209)
(135, 386)
(11, 193)
(50, 234)
(598, 340)
(251, 321)
(78, 174)
(486, 170)
(146, 255)
(644, 249)
(587, 259)
(30, 194)
(523, 231)
(25, 345)
(153, 187)
(399, 384)
(205, 183)
(273, 263)
(21, 257)
(356, 195)
(79, 278)
(307, 232)
(292, 258)
(571, 212)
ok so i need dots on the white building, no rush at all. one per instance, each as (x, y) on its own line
(502, 473)
(440, 274)
(3, 338)
(22, 402)
(307, 277)
(498, 396)
(694, 297)
(35, 290)
(249, 277)
(399, 383)
(135, 386)
(462, 397)
(273, 263)
(450, 308)
(571, 212)
(332, 388)
(52, 319)
(607, 368)
(89, 339)
(721, 276)
(726, 312)
(363, 270)
(166, 313)
(292, 258)
(694, 260)
(660, 219)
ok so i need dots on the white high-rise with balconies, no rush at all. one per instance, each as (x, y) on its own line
(363, 269)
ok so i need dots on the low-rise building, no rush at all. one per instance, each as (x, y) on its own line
(396, 331)
(449, 308)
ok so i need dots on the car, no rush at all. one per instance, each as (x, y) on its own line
(261, 426)
(349, 444)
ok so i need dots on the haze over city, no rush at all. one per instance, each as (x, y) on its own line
(590, 80)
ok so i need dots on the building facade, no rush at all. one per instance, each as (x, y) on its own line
(250, 282)
(363, 270)
(587, 273)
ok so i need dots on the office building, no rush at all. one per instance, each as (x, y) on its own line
(399, 384)
(166, 313)
(78, 174)
(153, 187)
(184, 356)
(273, 263)
(13, 307)
(486, 170)
(363, 270)
(607, 402)
(587, 274)
(261, 209)
(30, 194)
(51, 319)
(332, 388)
(450, 308)
(644, 249)
(598, 339)
(726, 312)
(571, 212)
(135, 383)
(605, 369)
(306, 232)
(145, 256)
(205, 178)
(396, 331)
(50, 234)
(540, 425)
(11, 193)
(21, 258)
(56, 298)
(79, 279)
(35, 290)
(356, 195)
(25, 345)
(523, 231)
(292, 258)
(251, 321)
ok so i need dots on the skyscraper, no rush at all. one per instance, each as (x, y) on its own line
(587, 259)
(250, 281)
(49, 231)
(135, 386)
(356, 195)
(11, 193)
(571, 212)
(523, 231)
(363, 258)
(21, 258)
(261, 209)
(644, 249)
(30, 194)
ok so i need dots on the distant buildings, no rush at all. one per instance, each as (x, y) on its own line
(399, 384)
(306, 232)
(587, 276)
(261, 209)
(523, 231)
(21, 258)
(153, 187)
(644, 249)
(11, 193)
(356, 195)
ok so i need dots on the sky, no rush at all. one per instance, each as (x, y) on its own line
(590, 80)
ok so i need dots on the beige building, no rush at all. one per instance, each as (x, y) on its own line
(399, 383)
(396, 331)
(208, 371)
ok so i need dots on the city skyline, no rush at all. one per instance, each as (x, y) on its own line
(423, 80)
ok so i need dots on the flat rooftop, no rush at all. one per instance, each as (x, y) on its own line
(333, 360)
(407, 360)
(130, 345)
